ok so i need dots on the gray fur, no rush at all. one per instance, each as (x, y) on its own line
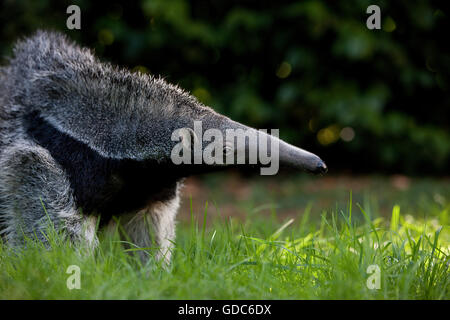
(116, 120)
(125, 115)
(118, 114)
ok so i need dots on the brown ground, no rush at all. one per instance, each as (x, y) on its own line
(232, 195)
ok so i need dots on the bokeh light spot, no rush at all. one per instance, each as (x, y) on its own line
(389, 25)
(105, 37)
(347, 134)
(202, 94)
(284, 70)
(140, 69)
(328, 135)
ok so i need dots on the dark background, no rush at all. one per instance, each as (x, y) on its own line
(366, 101)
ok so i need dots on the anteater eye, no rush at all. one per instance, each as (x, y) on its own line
(228, 148)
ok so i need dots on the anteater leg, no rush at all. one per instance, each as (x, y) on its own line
(154, 228)
(35, 193)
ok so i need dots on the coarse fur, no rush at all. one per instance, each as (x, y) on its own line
(82, 140)
(79, 138)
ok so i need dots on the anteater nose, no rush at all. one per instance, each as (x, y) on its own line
(321, 167)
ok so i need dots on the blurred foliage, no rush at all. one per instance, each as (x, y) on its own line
(365, 100)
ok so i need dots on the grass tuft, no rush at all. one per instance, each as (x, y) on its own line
(304, 258)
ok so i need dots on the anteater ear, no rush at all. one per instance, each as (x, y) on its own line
(189, 138)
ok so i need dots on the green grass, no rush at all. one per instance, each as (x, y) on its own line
(260, 258)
